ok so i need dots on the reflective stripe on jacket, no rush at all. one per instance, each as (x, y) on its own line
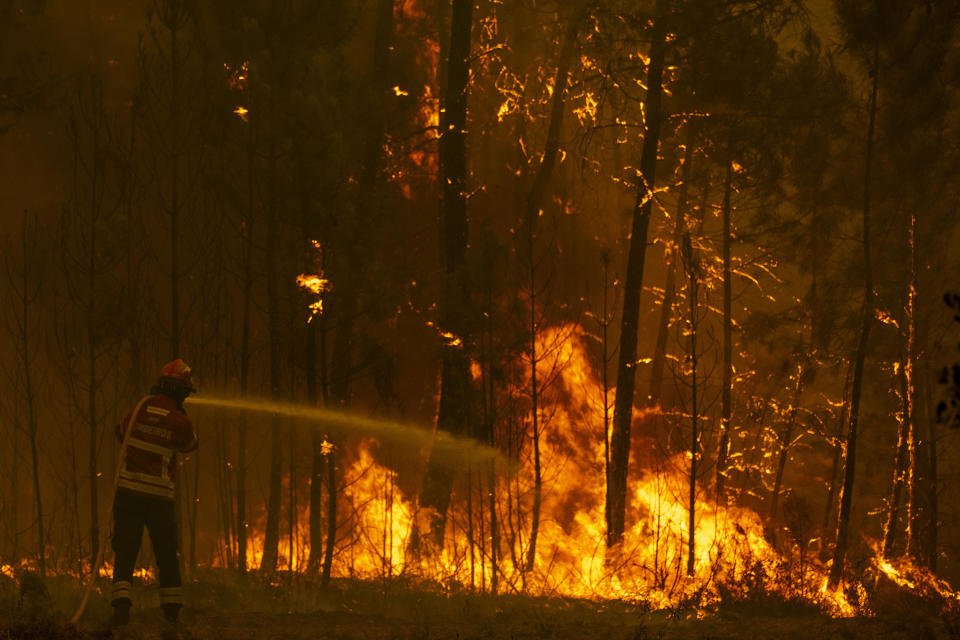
(161, 431)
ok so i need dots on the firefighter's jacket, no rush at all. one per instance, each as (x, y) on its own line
(161, 431)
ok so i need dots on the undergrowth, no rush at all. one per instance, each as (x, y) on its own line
(224, 604)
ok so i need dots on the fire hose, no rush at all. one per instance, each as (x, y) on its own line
(95, 568)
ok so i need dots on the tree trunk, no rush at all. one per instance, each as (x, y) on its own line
(693, 271)
(489, 422)
(292, 503)
(245, 361)
(626, 366)
(604, 365)
(342, 364)
(835, 465)
(317, 439)
(786, 438)
(29, 395)
(904, 434)
(271, 538)
(922, 516)
(453, 414)
(92, 421)
(932, 495)
(726, 401)
(173, 25)
(534, 208)
(846, 497)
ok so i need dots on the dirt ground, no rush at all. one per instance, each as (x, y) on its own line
(224, 607)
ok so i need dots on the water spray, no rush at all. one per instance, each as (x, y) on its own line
(342, 423)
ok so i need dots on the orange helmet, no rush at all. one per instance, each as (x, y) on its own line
(178, 373)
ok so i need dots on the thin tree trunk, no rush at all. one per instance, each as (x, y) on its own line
(892, 520)
(726, 400)
(314, 560)
(626, 366)
(915, 526)
(693, 271)
(489, 422)
(837, 451)
(31, 402)
(174, 199)
(14, 518)
(453, 414)
(342, 359)
(92, 419)
(604, 366)
(292, 503)
(342, 364)
(786, 438)
(245, 362)
(271, 538)
(846, 497)
(534, 208)
(932, 494)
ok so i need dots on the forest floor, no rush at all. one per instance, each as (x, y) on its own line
(220, 607)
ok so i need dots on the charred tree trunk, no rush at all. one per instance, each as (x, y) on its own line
(904, 434)
(25, 293)
(245, 360)
(194, 507)
(172, 20)
(835, 465)
(693, 274)
(341, 364)
(922, 514)
(846, 497)
(786, 439)
(931, 487)
(604, 365)
(535, 409)
(271, 539)
(317, 439)
(453, 414)
(726, 400)
(489, 421)
(626, 365)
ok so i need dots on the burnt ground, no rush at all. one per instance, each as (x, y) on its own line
(223, 607)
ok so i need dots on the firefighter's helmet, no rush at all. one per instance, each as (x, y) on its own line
(177, 374)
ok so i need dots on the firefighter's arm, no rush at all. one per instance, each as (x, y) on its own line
(189, 440)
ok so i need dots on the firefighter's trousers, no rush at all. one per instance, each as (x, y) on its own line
(131, 513)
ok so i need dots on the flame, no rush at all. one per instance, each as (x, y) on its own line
(316, 285)
(243, 113)
(450, 339)
(732, 553)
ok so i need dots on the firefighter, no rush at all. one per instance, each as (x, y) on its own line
(144, 498)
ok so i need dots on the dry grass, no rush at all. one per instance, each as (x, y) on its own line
(222, 605)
